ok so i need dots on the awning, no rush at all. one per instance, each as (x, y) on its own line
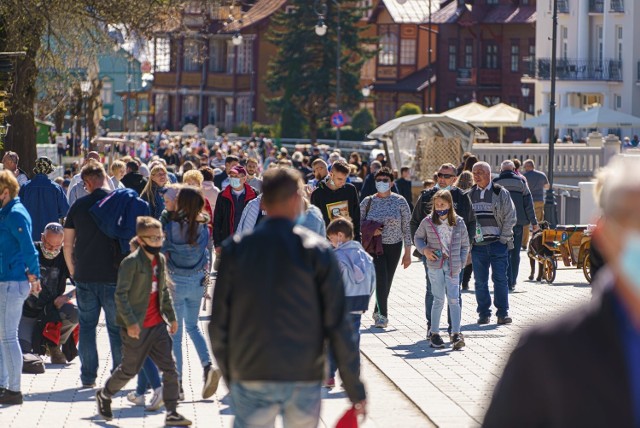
(498, 116)
(600, 117)
(542, 121)
(415, 82)
(466, 111)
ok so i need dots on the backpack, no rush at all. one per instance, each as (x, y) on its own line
(32, 364)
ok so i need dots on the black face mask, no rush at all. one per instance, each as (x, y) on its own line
(154, 251)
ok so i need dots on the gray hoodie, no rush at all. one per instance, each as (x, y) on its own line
(358, 274)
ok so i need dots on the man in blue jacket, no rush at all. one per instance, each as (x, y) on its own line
(44, 199)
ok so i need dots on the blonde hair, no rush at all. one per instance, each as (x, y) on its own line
(9, 181)
(193, 174)
(147, 192)
(117, 165)
(445, 195)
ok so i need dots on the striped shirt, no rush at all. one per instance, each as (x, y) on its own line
(481, 201)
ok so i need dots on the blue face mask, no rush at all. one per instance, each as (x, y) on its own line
(442, 213)
(443, 188)
(630, 260)
(234, 182)
(382, 186)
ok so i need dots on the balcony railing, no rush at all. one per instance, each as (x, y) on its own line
(596, 6)
(577, 69)
(466, 76)
(563, 6)
(617, 6)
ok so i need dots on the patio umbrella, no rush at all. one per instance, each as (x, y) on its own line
(600, 117)
(466, 111)
(542, 121)
(498, 116)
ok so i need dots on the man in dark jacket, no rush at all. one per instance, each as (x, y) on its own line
(582, 370)
(403, 184)
(229, 206)
(133, 179)
(521, 197)
(424, 207)
(300, 279)
(221, 180)
(337, 198)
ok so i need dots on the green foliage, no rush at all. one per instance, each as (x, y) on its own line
(363, 121)
(408, 109)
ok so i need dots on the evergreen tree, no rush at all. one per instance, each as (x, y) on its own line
(303, 71)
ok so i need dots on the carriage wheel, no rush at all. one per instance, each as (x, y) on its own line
(586, 267)
(550, 268)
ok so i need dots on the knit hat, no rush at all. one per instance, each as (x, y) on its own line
(43, 166)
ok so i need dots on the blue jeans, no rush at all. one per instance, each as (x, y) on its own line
(442, 283)
(355, 324)
(257, 404)
(428, 298)
(92, 297)
(187, 299)
(496, 256)
(148, 376)
(12, 296)
(514, 256)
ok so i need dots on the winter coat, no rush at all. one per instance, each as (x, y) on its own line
(358, 274)
(427, 237)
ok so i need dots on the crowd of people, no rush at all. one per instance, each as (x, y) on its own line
(139, 242)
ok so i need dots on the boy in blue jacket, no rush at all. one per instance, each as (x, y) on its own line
(359, 276)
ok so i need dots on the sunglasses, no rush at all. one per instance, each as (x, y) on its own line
(441, 175)
(383, 180)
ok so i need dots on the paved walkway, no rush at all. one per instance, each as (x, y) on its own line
(409, 384)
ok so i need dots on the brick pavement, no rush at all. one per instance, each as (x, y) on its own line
(453, 387)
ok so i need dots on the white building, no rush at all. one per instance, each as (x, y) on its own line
(598, 57)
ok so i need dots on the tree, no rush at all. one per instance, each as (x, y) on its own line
(303, 70)
(363, 121)
(407, 109)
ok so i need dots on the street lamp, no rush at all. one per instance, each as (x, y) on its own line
(366, 91)
(85, 87)
(236, 39)
(321, 29)
(550, 214)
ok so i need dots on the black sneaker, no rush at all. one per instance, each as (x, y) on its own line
(512, 289)
(436, 341)
(484, 320)
(104, 406)
(211, 379)
(10, 398)
(175, 419)
(457, 341)
(504, 320)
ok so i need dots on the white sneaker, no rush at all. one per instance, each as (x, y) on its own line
(382, 322)
(136, 399)
(156, 401)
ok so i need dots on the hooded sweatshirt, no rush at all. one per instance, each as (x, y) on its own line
(358, 275)
(342, 202)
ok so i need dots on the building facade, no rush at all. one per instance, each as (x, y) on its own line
(119, 72)
(598, 56)
(483, 51)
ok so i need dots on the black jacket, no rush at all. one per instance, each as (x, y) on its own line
(269, 321)
(570, 373)
(404, 189)
(224, 213)
(520, 195)
(461, 203)
(323, 197)
(219, 179)
(135, 181)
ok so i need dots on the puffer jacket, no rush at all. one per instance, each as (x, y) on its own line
(520, 195)
(358, 274)
(17, 251)
(427, 237)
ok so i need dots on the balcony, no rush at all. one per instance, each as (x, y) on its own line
(563, 6)
(578, 69)
(466, 77)
(617, 6)
(596, 6)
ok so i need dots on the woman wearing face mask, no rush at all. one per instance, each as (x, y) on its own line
(187, 256)
(152, 192)
(392, 211)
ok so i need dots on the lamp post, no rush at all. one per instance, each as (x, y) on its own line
(550, 214)
(321, 30)
(525, 90)
(85, 87)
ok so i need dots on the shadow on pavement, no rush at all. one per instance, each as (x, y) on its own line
(418, 350)
(64, 396)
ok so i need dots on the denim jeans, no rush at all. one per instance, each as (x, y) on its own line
(12, 296)
(355, 323)
(428, 298)
(443, 284)
(148, 376)
(92, 297)
(514, 256)
(187, 299)
(257, 404)
(494, 255)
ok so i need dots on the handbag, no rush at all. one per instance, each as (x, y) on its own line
(371, 242)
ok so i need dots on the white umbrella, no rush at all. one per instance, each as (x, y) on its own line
(498, 116)
(466, 111)
(542, 121)
(600, 117)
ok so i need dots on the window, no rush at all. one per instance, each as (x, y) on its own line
(243, 109)
(388, 45)
(192, 55)
(162, 110)
(193, 8)
(515, 58)
(492, 1)
(161, 54)
(564, 42)
(619, 42)
(453, 61)
(245, 56)
(367, 8)
(407, 52)
(491, 56)
(599, 45)
(213, 110)
(216, 56)
(190, 109)
(617, 99)
(106, 93)
(468, 56)
(231, 57)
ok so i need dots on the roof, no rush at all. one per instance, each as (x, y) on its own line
(498, 14)
(414, 82)
(407, 11)
(258, 12)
